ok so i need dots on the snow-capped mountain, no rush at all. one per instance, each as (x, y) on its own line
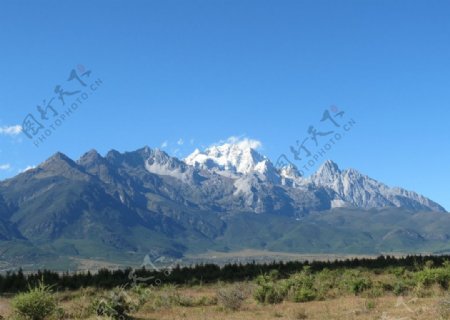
(223, 179)
(355, 189)
(241, 162)
(136, 201)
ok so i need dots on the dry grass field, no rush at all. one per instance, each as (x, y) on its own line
(387, 293)
(201, 303)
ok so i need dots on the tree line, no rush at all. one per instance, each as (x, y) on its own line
(18, 281)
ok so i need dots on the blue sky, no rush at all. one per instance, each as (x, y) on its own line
(191, 73)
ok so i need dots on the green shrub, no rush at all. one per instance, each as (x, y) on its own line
(429, 276)
(36, 304)
(301, 286)
(354, 281)
(304, 294)
(399, 288)
(270, 291)
(326, 283)
(397, 271)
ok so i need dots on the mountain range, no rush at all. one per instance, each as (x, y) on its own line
(225, 198)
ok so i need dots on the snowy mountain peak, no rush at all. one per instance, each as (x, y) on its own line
(290, 171)
(160, 158)
(353, 188)
(234, 156)
(327, 173)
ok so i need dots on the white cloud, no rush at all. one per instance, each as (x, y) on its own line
(5, 166)
(240, 141)
(27, 168)
(11, 130)
(164, 144)
(180, 142)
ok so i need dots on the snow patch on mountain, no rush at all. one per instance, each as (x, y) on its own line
(162, 164)
(291, 177)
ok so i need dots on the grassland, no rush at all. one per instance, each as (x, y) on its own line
(390, 293)
(200, 303)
